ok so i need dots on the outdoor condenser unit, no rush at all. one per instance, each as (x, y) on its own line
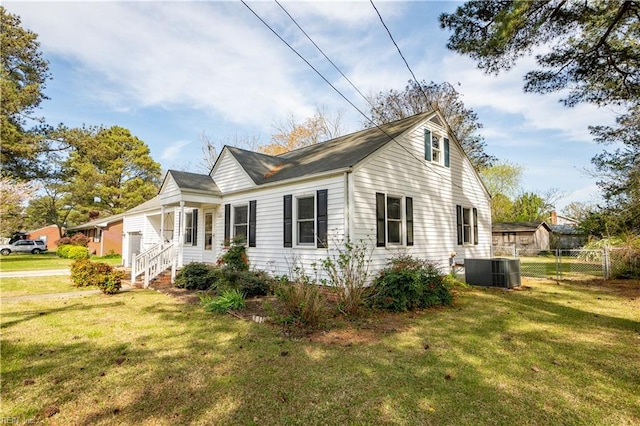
(494, 272)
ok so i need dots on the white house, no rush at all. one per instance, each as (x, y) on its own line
(406, 186)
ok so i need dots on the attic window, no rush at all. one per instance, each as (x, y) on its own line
(436, 148)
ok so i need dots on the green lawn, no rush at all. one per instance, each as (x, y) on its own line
(27, 286)
(20, 262)
(548, 354)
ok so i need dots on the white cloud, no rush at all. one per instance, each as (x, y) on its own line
(174, 150)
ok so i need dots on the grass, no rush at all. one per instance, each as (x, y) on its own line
(548, 354)
(20, 262)
(29, 286)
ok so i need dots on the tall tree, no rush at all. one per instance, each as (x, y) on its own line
(593, 52)
(118, 166)
(423, 96)
(503, 181)
(290, 134)
(589, 52)
(14, 197)
(23, 76)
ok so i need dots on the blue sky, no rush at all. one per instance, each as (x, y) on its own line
(171, 71)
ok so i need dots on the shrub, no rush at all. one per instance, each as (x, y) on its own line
(78, 252)
(80, 240)
(408, 283)
(63, 241)
(231, 299)
(235, 257)
(63, 251)
(250, 283)
(196, 276)
(348, 272)
(302, 304)
(102, 275)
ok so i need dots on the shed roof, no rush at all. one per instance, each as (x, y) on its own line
(519, 226)
(98, 223)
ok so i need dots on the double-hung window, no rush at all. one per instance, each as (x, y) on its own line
(240, 221)
(467, 225)
(394, 220)
(305, 220)
(436, 148)
(191, 227)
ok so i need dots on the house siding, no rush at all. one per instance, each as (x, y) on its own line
(399, 169)
(269, 254)
(229, 176)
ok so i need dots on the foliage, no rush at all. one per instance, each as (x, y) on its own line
(502, 178)
(78, 252)
(590, 53)
(348, 273)
(423, 96)
(78, 239)
(594, 54)
(196, 276)
(235, 257)
(302, 304)
(623, 251)
(63, 250)
(13, 196)
(102, 275)
(228, 300)
(408, 283)
(23, 76)
(290, 134)
(249, 283)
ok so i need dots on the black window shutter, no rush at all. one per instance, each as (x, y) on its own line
(194, 233)
(459, 223)
(321, 219)
(227, 224)
(381, 236)
(252, 223)
(427, 145)
(475, 226)
(288, 223)
(409, 212)
(446, 152)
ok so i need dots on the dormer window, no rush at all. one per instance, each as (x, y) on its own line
(436, 148)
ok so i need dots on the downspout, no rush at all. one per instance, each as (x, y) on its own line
(181, 236)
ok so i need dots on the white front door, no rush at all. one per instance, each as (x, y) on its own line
(209, 250)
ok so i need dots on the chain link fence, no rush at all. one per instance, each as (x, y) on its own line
(574, 264)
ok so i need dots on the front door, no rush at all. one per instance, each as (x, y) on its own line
(209, 250)
(134, 245)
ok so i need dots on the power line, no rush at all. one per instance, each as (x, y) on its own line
(391, 138)
(401, 55)
(323, 54)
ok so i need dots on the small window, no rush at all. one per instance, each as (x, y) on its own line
(467, 225)
(208, 231)
(436, 149)
(509, 237)
(240, 221)
(394, 220)
(97, 235)
(191, 227)
(306, 220)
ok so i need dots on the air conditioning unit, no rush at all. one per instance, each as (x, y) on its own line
(494, 272)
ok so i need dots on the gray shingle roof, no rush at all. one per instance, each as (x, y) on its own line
(194, 181)
(343, 152)
(518, 226)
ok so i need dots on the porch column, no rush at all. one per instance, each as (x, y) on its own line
(162, 237)
(181, 235)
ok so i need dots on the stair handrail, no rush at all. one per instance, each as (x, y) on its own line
(154, 262)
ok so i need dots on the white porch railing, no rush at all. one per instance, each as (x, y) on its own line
(153, 262)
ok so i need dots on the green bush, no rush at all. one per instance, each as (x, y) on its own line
(235, 257)
(63, 251)
(302, 304)
(197, 276)
(102, 275)
(228, 300)
(408, 283)
(78, 252)
(250, 283)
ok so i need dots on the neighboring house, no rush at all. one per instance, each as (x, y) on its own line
(403, 187)
(105, 234)
(523, 237)
(49, 234)
(565, 233)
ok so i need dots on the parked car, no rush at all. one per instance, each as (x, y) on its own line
(24, 246)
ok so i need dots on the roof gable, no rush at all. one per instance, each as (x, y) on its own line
(519, 226)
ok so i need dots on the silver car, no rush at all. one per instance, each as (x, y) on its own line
(24, 246)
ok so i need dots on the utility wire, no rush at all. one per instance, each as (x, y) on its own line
(402, 56)
(391, 138)
(323, 54)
